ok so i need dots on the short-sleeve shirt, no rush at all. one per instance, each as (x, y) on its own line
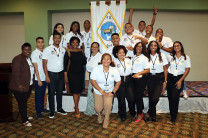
(69, 35)
(139, 63)
(127, 40)
(140, 33)
(166, 42)
(124, 67)
(55, 58)
(36, 57)
(155, 65)
(178, 66)
(151, 38)
(87, 39)
(31, 70)
(93, 61)
(62, 43)
(105, 80)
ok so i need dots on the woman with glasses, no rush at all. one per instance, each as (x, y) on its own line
(179, 68)
(140, 68)
(156, 79)
(92, 61)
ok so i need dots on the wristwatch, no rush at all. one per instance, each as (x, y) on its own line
(161, 47)
(113, 93)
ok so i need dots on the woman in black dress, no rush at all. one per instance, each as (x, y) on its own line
(74, 60)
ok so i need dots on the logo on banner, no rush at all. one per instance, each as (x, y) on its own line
(106, 28)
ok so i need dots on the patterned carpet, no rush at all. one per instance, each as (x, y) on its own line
(188, 125)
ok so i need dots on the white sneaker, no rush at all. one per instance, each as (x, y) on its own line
(185, 95)
(27, 123)
(29, 117)
(165, 93)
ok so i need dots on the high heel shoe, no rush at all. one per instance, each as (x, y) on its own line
(138, 120)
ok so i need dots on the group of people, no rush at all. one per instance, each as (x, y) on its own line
(136, 61)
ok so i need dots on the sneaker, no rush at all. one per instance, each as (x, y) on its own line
(40, 116)
(165, 93)
(27, 123)
(45, 111)
(185, 95)
(29, 117)
(51, 115)
(62, 112)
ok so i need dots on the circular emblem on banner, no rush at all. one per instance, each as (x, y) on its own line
(107, 29)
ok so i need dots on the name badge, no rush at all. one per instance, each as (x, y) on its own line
(106, 87)
(153, 71)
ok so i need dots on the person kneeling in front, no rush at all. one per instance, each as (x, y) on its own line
(102, 78)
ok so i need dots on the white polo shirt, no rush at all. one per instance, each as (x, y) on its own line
(151, 38)
(127, 40)
(69, 35)
(93, 61)
(36, 57)
(166, 42)
(87, 38)
(55, 57)
(103, 79)
(31, 70)
(124, 67)
(178, 66)
(140, 33)
(110, 51)
(139, 63)
(155, 65)
(62, 43)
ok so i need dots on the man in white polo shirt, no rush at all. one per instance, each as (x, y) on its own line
(53, 57)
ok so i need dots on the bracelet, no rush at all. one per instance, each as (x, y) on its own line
(154, 13)
(113, 93)
(161, 47)
(165, 81)
(101, 91)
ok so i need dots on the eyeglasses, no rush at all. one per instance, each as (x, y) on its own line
(127, 27)
(153, 45)
(176, 45)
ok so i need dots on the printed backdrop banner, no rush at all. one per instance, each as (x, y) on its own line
(106, 20)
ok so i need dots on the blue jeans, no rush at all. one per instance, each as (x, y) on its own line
(39, 96)
(55, 86)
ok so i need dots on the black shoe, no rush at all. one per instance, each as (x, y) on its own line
(45, 111)
(51, 115)
(62, 112)
(147, 117)
(154, 119)
(123, 119)
(40, 116)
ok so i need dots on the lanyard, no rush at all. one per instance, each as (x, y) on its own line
(178, 62)
(106, 78)
(124, 66)
(62, 39)
(153, 63)
(132, 42)
(56, 52)
(134, 61)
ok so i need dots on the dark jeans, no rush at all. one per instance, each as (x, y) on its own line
(56, 85)
(39, 96)
(22, 98)
(126, 91)
(173, 95)
(154, 85)
(139, 85)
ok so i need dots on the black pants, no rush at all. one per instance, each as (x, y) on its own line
(154, 85)
(173, 95)
(55, 85)
(126, 91)
(139, 86)
(22, 98)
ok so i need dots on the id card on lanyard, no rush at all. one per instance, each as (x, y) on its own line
(106, 85)
(153, 68)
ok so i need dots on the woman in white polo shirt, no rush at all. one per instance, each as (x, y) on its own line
(59, 27)
(140, 68)
(126, 90)
(92, 61)
(179, 68)
(156, 79)
(103, 78)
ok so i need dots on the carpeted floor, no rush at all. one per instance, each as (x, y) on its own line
(188, 125)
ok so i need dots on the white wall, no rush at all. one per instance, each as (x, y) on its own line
(189, 28)
(12, 36)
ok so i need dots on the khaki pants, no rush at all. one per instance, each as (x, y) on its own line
(103, 102)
